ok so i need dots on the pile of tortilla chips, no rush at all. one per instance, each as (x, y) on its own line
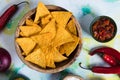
(49, 38)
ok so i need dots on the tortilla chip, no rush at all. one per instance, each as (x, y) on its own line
(21, 33)
(29, 30)
(37, 47)
(45, 20)
(61, 17)
(41, 12)
(62, 37)
(37, 57)
(27, 44)
(30, 22)
(71, 27)
(23, 54)
(50, 60)
(50, 28)
(69, 47)
(58, 57)
(42, 39)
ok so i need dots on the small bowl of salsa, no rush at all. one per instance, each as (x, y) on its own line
(103, 28)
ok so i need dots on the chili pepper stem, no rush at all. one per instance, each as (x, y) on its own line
(22, 2)
(80, 64)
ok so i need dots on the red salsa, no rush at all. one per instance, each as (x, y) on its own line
(103, 29)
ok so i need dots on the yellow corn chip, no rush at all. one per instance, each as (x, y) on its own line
(69, 47)
(58, 48)
(41, 12)
(45, 20)
(21, 33)
(71, 27)
(42, 39)
(23, 54)
(29, 30)
(61, 17)
(50, 60)
(37, 57)
(62, 37)
(37, 47)
(30, 22)
(49, 56)
(58, 57)
(27, 44)
(50, 28)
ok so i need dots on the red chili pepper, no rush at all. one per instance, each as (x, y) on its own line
(109, 59)
(104, 70)
(110, 55)
(8, 14)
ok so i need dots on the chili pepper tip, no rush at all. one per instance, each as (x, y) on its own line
(80, 64)
(23, 2)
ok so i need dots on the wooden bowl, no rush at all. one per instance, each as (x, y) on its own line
(59, 66)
